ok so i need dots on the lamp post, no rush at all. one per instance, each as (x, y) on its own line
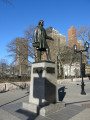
(81, 51)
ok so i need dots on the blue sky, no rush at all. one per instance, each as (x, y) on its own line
(60, 14)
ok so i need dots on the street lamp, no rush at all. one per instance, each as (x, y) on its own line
(86, 45)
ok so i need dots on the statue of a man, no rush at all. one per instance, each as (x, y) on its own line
(40, 43)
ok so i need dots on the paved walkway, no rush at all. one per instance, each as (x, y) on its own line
(77, 105)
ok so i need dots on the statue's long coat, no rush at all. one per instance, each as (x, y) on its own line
(40, 36)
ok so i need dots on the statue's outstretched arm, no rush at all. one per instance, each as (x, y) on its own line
(48, 37)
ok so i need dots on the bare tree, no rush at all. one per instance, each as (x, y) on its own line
(18, 46)
(3, 67)
(83, 33)
(68, 57)
(76, 71)
(29, 36)
(18, 49)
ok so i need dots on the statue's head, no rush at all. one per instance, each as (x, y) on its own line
(41, 22)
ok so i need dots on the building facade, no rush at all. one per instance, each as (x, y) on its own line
(72, 38)
(56, 44)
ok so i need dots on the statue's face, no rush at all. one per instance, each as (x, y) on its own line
(41, 23)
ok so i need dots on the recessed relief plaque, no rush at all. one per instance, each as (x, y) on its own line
(38, 70)
(50, 70)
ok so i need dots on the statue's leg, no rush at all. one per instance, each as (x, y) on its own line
(48, 54)
(38, 55)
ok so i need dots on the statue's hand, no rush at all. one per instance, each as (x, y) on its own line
(35, 44)
(50, 38)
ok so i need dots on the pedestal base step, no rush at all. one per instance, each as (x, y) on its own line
(51, 108)
(30, 107)
(44, 111)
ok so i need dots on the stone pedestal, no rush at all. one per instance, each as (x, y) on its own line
(43, 88)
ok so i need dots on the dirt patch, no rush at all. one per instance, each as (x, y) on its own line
(4, 80)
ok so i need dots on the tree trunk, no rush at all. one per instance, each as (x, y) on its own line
(20, 71)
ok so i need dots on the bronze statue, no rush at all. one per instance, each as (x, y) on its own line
(40, 43)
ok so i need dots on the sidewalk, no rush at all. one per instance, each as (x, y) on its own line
(77, 105)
